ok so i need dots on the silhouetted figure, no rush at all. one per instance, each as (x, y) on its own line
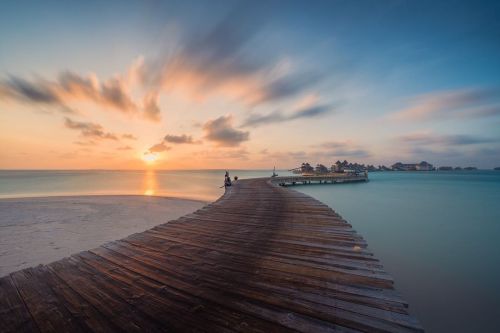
(227, 180)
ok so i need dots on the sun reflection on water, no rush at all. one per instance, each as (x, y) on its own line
(150, 183)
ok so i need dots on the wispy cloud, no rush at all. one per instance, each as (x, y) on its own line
(151, 109)
(70, 87)
(456, 155)
(278, 116)
(224, 59)
(341, 149)
(39, 92)
(445, 140)
(28, 91)
(326, 153)
(222, 133)
(466, 103)
(85, 143)
(158, 148)
(129, 136)
(124, 148)
(223, 154)
(88, 129)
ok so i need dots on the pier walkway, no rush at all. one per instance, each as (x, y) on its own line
(262, 258)
(335, 178)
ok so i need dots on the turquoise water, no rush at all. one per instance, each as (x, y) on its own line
(437, 234)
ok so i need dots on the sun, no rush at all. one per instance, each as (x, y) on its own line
(149, 158)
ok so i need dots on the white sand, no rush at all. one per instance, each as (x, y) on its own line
(41, 230)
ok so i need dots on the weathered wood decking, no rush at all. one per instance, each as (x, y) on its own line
(260, 259)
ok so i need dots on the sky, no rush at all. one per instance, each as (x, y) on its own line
(228, 84)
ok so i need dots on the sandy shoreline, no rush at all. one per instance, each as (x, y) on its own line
(44, 229)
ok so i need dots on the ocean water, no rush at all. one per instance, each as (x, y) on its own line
(197, 184)
(436, 233)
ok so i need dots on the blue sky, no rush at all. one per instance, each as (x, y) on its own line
(249, 84)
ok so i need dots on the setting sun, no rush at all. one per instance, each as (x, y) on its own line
(150, 158)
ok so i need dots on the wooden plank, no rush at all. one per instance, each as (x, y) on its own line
(86, 315)
(312, 285)
(184, 304)
(155, 271)
(239, 289)
(14, 316)
(104, 300)
(48, 312)
(235, 269)
(377, 279)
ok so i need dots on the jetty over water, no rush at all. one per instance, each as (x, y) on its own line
(333, 178)
(262, 258)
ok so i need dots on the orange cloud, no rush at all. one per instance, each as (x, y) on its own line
(113, 93)
(448, 104)
(222, 133)
(90, 130)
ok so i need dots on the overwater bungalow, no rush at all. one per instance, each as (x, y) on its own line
(422, 166)
(320, 168)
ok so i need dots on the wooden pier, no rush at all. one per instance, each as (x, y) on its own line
(337, 178)
(262, 258)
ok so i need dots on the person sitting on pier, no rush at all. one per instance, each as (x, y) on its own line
(227, 180)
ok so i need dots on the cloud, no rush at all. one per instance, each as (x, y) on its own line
(175, 139)
(287, 156)
(341, 149)
(289, 85)
(88, 129)
(40, 93)
(226, 59)
(151, 109)
(158, 148)
(85, 143)
(223, 154)
(277, 116)
(457, 156)
(124, 148)
(492, 111)
(178, 139)
(449, 149)
(113, 93)
(223, 58)
(445, 140)
(326, 153)
(70, 87)
(466, 103)
(222, 132)
(360, 153)
(129, 136)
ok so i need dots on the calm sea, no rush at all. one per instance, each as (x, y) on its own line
(437, 233)
(199, 184)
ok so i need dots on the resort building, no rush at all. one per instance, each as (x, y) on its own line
(320, 168)
(403, 167)
(424, 166)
